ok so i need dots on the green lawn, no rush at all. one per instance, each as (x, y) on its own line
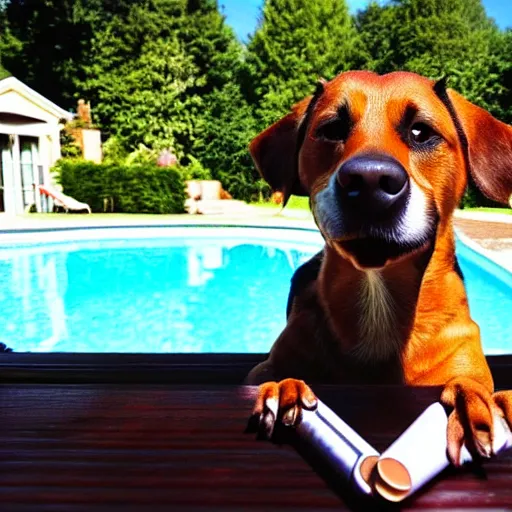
(506, 211)
(302, 203)
(295, 203)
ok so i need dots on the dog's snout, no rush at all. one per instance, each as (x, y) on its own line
(372, 182)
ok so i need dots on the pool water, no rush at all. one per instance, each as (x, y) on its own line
(221, 293)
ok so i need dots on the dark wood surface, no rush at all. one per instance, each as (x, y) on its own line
(84, 447)
(206, 369)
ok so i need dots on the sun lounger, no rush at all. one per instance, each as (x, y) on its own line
(67, 202)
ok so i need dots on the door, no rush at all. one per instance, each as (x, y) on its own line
(29, 160)
(5, 167)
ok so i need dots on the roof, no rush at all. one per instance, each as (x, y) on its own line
(12, 83)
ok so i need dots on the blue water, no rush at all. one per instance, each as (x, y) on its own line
(169, 295)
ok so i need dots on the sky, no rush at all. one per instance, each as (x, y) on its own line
(243, 15)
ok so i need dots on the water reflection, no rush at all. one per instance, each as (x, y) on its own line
(132, 297)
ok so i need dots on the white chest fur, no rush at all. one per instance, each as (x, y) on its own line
(378, 336)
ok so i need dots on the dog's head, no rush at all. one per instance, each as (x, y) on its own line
(384, 159)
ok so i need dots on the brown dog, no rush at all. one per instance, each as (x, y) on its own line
(385, 161)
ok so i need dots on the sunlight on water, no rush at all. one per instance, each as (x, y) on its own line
(213, 295)
(144, 298)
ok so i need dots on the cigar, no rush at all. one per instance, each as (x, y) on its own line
(343, 449)
(420, 454)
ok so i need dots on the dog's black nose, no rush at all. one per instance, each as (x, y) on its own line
(373, 182)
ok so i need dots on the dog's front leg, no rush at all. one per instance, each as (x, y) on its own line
(281, 393)
(471, 422)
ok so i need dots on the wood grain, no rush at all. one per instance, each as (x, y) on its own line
(83, 447)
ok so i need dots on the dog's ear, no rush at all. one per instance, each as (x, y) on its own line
(489, 148)
(274, 152)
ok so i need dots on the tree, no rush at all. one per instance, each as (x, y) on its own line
(228, 127)
(45, 42)
(504, 72)
(377, 26)
(156, 65)
(166, 74)
(9, 45)
(297, 42)
(3, 72)
(139, 84)
(436, 38)
(225, 124)
(211, 43)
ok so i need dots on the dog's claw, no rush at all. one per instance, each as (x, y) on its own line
(471, 423)
(281, 401)
(483, 444)
(268, 421)
(291, 416)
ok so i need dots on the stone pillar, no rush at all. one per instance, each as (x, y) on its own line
(8, 178)
(91, 145)
(16, 168)
(36, 162)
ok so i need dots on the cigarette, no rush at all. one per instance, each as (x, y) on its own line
(420, 454)
(343, 449)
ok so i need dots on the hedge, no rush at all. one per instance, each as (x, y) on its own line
(140, 188)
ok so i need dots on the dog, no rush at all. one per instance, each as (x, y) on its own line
(385, 160)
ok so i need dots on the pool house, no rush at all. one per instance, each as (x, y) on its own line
(30, 126)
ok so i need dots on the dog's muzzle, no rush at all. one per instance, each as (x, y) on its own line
(370, 185)
(373, 210)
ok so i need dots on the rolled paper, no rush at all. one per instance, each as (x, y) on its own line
(343, 449)
(420, 454)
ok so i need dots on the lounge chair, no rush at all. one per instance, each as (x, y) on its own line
(67, 202)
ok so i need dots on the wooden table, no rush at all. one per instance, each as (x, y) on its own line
(87, 447)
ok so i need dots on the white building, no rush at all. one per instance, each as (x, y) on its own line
(30, 128)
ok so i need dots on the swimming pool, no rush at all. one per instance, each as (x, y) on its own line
(181, 289)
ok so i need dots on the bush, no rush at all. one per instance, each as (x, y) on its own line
(140, 188)
(229, 125)
(68, 146)
(194, 170)
(473, 198)
(114, 151)
(142, 156)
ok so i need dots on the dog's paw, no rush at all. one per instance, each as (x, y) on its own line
(471, 423)
(281, 401)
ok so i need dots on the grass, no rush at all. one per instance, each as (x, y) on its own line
(262, 213)
(506, 211)
(294, 203)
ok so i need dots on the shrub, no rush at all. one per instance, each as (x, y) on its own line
(229, 125)
(140, 188)
(83, 180)
(142, 155)
(473, 198)
(195, 170)
(68, 146)
(114, 151)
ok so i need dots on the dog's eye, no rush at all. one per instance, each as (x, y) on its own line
(337, 129)
(421, 133)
